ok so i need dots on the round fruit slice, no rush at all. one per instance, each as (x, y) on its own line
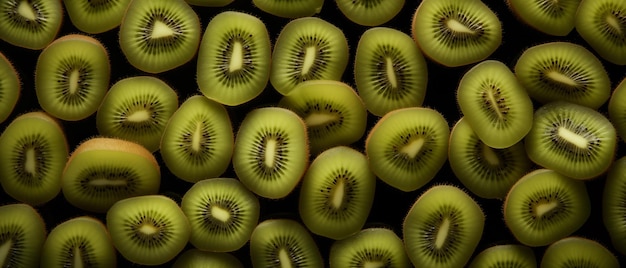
(22, 235)
(30, 24)
(10, 88)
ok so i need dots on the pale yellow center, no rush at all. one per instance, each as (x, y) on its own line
(413, 147)
(337, 194)
(5, 249)
(391, 73)
(270, 152)
(27, 11)
(102, 182)
(284, 259)
(30, 162)
(320, 119)
(613, 22)
(74, 76)
(148, 229)
(561, 78)
(139, 116)
(490, 155)
(458, 27)
(220, 214)
(160, 30)
(236, 58)
(373, 264)
(196, 138)
(78, 258)
(493, 101)
(309, 59)
(573, 138)
(442, 233)
(544, 208)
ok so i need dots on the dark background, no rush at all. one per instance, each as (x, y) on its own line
(390, 205)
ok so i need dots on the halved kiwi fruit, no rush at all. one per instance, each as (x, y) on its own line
(234, 58)
(495, 104)
(149, 229)
(222, 214)
(337, 193)
(370, 12)
(332, 111)
(290, 9)
(574, 140)
(277, 243)
(617, 109)
(96, 16)
(602, 24)
(197, 142)
(102, 171)
(550, 17)
(442, 228)
(10, 87)
(22, 235)
(407, 147)
(137, 109)
(159, 35)
(271, 151)
(455, 33)
(614, 204)
(72, 77)
(34, 151)
(79, 242)
(563, 71)
(308, 49)
(545, 206)
(389, 71)
(30, 24)
(371, 247)
(578, 252)
(195, 258)
(513, 256)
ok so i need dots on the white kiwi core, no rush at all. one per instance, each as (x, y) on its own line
(139, 116)
(103, 182)
(270, 152)
(458, 27)
(442, 233)
(573, 138)
(78, 258)
(236, 58)
(196, 138)
(73, 83)
(4, 251)
(545, 208)
(27, 11)
(284, 259)
(614, 23)
(493, 101)
(373, 264)
(148, 229)
(160, 30)
(391, 73)
(309, 59)
(30, 162)
(561, 78)
(412, 148)
(337, 194)
(220, 214)
(320, 119)
(490, 155)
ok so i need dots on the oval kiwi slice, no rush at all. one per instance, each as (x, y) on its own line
(30, 24)
(370, 12)
(617, 109)
(442, 228)
(545, 206)
(372, 247)
(96, 16)
(574, 140)
(34, 151)
(602, 23)
(271, 151)
(72, 77)
(551, 17)
(22, 235)
(308, 49)
(222, 213)
(408, 146)
(197, 142)
(102, 171)
(195, 258)
(578, 252)
(10, 88)
(332, 111)
(512, 256)
(614, 204)
(389, 71)
(290, 9)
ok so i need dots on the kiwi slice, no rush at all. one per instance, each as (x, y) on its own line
(513, 256)
(485, 171)
(234, 58)
(195, 258)
(197, 142)
(277, 243)
(578, 252)
(370, 12)
(72, 76)
(563, 71)
(222, 213)
(271, 151)
(495, 104)
(137, 109)
(407, 147)
(389, 70)
(550, 17)
(34, 150)
(96, 16)
(102, 171)
(602, 24)
(455, 33)
(614, 204)
(337, 193)
(10, 87)
(159, 35)
(574, 140)
(290, 8)
(332, 111)
(545, 206)
(617, 109)
(22, 235)
(30, 24)
(308, 49)
(371, 247)
(79, 242)
(148, 229)
(442, 228)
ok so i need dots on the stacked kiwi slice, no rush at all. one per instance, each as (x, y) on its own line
(311, 133)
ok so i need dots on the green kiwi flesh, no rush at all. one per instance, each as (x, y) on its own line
(72, 77)
(563, 71)
(574, 140)
(502, 256)
(407, 147)
(370, 12)
(271, 151)
(371, 247)
(551, 17)
(198, 140)
(332, 111)
(602, 24)
(442, 228)
(337, 193)
(30, 24)
(195, 258)
(102, 171)
(96, 16)
(222, 214)
(79, 242)
(578, 252)
(22, 235)
(495, 104)
(456, 33)
(159, 35)
(234, 58)
(149, 229)
(613, 204)
(10, 87)
(34, 150)
(278, 243)
(617, 109)
(390, 71)
(545, 206)
(290, 9)
(308, 49)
